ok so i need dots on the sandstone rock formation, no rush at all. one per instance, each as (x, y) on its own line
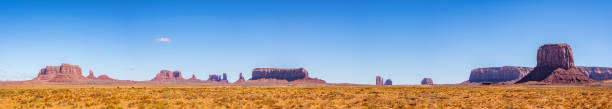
(555, 65)
(388, 82)
(166, 75)
(597, 73)
(310, 81)
(299, 75)
(427, 81)
(240, 79)
(91, 75)
(499, 74)
(224, 76)
(63, 73)
(494, 73)
(193, 78)
(379, 80)
(218, 78)
(214, 77)
(105, 77)
(282, 74)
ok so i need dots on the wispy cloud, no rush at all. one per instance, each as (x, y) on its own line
(163, 39)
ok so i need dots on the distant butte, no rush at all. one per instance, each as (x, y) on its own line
(166, 75)
(67, 73)
(427, 81)
(278, 75)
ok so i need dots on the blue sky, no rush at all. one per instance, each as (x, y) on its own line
(340, 41)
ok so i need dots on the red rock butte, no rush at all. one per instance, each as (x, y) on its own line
(427, 81)
(66, 73)
(91, 76)
(388, 82)
(166, 75)
(555, 66)
(63, 73)
(379, 80)
(240, 79)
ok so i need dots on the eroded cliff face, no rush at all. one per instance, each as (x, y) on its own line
(555, 65)
(499, 74)
(596, 73)
(63, 73)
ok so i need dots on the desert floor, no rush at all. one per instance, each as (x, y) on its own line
(210, 96)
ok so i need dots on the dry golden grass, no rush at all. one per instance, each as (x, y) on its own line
(308, 97)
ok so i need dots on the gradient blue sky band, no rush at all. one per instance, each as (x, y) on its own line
(341, 41)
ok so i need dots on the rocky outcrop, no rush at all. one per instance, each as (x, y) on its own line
(240, 79)
(166, 75)
(281, 74)
(388, 82)
(214, 77)
(105, 78)
(63, 73)
(299, 75)
(555, 65)
(493, 73)
(193, 78)
(499, 74)
(379, 80)
(224, 76)
(309, 81)
(218, 78)
(427, 81)
(596, 73)
(91, 75)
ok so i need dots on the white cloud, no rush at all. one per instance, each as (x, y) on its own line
(163, 39)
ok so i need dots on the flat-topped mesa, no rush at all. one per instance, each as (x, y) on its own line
(596, 73)
(499, 74)
(63, 73)
(427, 81)
(166, 75)
(556, 66)
(281, 74)
(379, 80)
